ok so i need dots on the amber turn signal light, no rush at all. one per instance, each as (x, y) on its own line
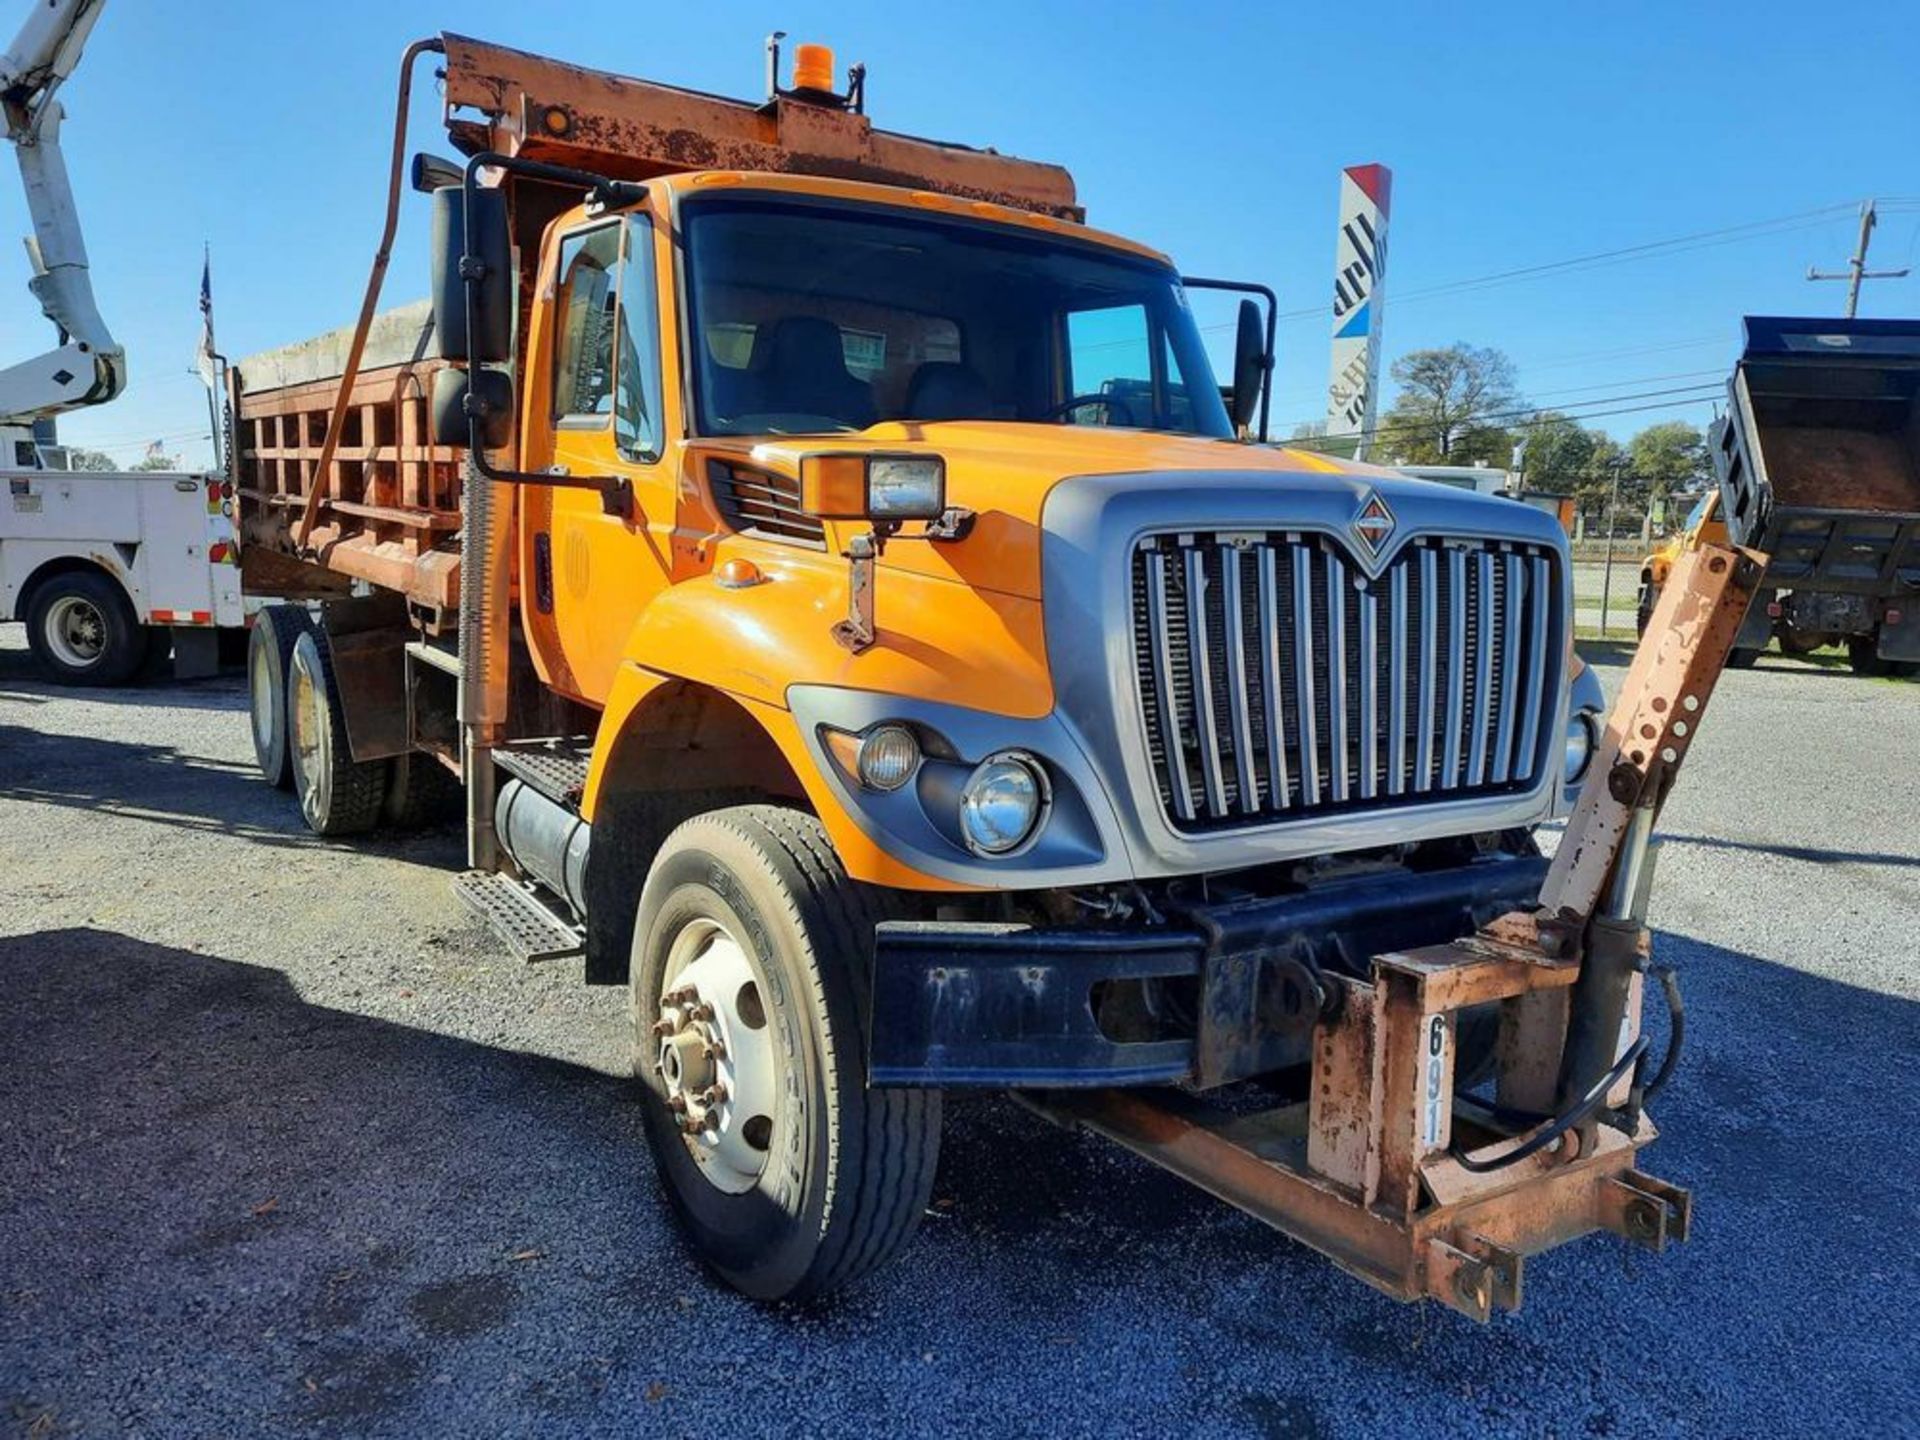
(873, 487)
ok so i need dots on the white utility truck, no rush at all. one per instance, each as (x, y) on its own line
(105, 568)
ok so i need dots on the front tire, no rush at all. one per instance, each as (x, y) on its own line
(338, 795)
(82, 628)
(753, 944)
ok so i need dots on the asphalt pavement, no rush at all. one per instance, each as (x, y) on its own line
(287, 1146)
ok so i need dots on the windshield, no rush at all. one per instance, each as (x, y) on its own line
(821, 319)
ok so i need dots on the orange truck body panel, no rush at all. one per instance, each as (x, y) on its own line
(635, 602)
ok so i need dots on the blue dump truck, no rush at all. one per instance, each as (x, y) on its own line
(1818, 459)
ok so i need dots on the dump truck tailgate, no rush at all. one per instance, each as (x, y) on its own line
(1818, 457)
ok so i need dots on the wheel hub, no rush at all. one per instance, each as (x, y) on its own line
(77, 630)
(715, 1057)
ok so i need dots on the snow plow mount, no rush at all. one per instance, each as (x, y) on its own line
(1426, 1193)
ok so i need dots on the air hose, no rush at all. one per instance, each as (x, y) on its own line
(1676, 1030)
(1576, 1115)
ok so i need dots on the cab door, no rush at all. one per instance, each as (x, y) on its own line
(590, 572)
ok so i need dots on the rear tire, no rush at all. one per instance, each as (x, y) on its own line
(338, 795)
(269, 657)
(751, 904)
(1863, 654)
(420, 792)
(81, 627)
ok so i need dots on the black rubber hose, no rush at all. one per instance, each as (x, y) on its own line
(1676, 1030)
(1540, 1139)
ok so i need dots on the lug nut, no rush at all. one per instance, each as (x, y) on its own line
(677, 1104)
(664, 1026)
(713, 1095)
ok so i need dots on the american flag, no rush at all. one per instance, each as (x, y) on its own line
(203, 358)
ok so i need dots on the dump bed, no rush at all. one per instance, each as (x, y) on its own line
(392, 511)
(1818, 457)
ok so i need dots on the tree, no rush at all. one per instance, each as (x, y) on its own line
(1559, 453)
(78, 459)
(1669, 457)
(1450, 407)
(157, 462)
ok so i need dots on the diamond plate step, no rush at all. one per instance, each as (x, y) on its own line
(555, 766)
(519, 917)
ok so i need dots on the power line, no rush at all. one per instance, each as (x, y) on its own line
(1531, 416)
(1534, 395)
(1562, 361)
(1695, 240)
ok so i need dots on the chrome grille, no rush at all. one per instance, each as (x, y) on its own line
(1277, 681)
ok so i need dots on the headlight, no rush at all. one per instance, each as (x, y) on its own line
(887, 757)
(882, 758)
(840, 486)
(1580, 742)
(1003, 803)
(903, 488)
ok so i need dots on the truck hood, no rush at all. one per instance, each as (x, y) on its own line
(1004, 472)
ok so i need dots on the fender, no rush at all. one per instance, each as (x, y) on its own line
(635, 685)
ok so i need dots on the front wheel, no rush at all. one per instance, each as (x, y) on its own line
(82, 628)
(790, 1175)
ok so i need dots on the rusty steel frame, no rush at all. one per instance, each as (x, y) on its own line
(631, 129)
(1651, 727)
(370, 301)
(392, 504)
(1368, 1170)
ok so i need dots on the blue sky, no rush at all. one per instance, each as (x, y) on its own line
(1519, 134)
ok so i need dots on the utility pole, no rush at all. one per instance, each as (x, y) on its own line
(1618, 465)
(1856, 270)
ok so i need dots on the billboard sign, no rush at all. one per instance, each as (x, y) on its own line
(1359, 288)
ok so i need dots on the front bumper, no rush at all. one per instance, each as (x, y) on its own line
(1013, 1006)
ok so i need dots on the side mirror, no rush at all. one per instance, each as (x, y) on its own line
(429, 173)
(1249, 365)
(493, 393)
(491, 342)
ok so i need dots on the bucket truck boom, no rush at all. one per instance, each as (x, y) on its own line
(107, 570)
(87, 367)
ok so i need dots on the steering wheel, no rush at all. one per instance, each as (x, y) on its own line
(1079, 402)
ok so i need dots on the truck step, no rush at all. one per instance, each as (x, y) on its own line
(528, 926)
(555, 765)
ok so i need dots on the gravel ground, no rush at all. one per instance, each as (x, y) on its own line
(288, 1147)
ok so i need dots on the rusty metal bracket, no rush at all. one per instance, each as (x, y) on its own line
(1647, 1211)
(1648, 734)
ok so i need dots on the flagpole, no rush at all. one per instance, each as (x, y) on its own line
(208, 358)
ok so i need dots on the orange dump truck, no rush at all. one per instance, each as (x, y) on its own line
(857, 620)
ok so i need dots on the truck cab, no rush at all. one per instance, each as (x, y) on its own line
(813, 358)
